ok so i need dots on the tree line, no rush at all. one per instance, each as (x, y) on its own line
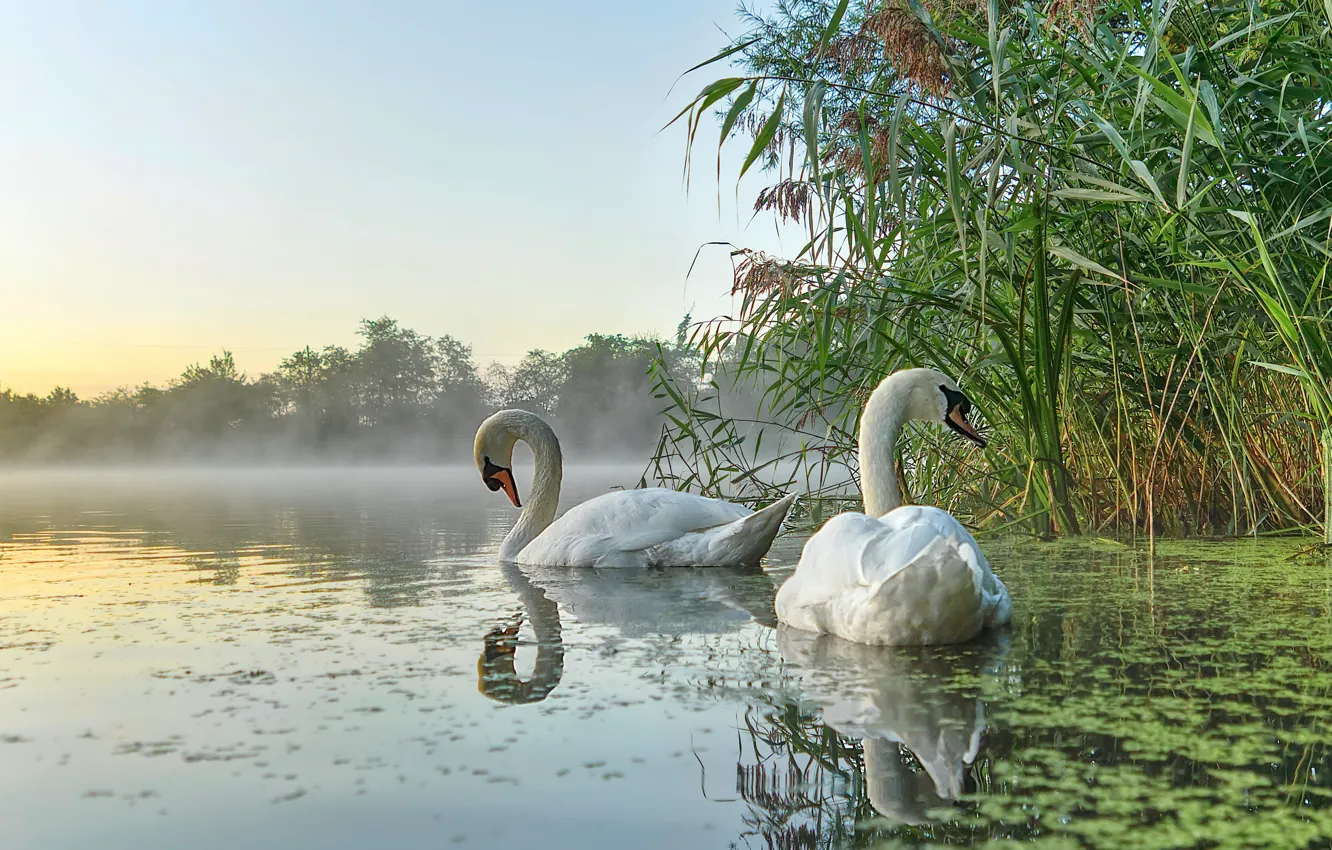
(399, 396)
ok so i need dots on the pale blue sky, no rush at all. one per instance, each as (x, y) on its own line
(184, 176)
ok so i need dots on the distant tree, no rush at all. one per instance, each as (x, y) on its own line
(119, 425)
(400, 392)
(300, 376)
(460, 400)
(457, 371)
(336, 399)
(62, 397)
(682, 359)
(315, 392)
(220, 368)
(210, 401)
(395, 372)
(606, 396)
(536, 382)
(496, 386)
(21, 420)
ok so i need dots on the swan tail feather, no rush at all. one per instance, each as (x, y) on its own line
(754, 534)
(741, 543)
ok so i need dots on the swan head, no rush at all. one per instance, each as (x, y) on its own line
(932, 396)
(493, 450)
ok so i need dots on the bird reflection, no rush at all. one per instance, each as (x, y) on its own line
(921, 731)
(640, 602)
(496, 676)
(635, 603)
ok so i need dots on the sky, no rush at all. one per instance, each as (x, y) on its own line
(179, 178)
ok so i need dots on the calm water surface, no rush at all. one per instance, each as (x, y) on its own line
(334, 659)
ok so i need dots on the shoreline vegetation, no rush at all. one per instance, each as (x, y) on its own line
(1111, 221)
(400, 397)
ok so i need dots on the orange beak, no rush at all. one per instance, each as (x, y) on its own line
(505, 479)
(963, 427)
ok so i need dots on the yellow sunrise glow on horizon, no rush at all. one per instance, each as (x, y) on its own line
(182, 180)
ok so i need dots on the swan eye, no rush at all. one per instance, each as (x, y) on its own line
(955, 402)
(956, 408)
(488, 473)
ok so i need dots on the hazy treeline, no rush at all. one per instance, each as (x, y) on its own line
(401, 395)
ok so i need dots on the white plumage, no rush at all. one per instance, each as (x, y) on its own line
(896, 575)
(656, 527)
(913, 577)
(625, 528)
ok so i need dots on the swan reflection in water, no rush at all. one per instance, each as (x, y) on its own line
(914, 709)
(496, 676)
(634, 603)
(908, 705)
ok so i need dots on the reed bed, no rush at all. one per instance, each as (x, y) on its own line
(1111, 221)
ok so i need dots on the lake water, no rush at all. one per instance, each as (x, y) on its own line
(292, 659)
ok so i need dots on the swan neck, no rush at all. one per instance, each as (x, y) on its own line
(880, 426)
(544, 498)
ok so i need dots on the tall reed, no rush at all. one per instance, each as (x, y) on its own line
(1111, 221)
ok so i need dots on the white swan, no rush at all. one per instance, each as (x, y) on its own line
(626, 528)
(896, 575)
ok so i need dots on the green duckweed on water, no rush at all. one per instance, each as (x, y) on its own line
(1180, 700)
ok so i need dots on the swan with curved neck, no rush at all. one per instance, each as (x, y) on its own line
(625, 528)
(897, 575)
(926, 395)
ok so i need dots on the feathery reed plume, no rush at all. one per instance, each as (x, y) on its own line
(850, 156)
(910, 46)
(760, 277)
(849, 52)
(852, 120)
(789, 198)
(759, 274)
(1081, 14)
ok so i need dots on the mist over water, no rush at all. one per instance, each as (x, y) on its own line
(290, 659)
(400, 398)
